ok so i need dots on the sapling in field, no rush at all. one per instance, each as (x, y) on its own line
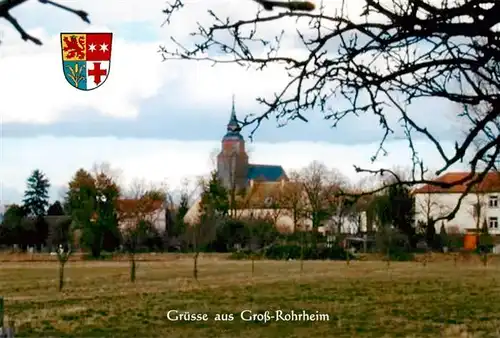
(139, 212)
(62, 256)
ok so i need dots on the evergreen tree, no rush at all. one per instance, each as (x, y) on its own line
(179, 226)
(394, 211)
(11, 230)
(486, 240)
(430, 233)
(55, 209)
(183, 206)
(36, 197)
(214, 198)
(484, 229)
(401, 210)
(40, 233)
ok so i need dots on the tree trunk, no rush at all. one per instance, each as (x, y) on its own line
(484, 258)
(430, 232)
(302, 252)
(195, 266)
(96, 250)
(348, 253)
(132, 267)
(1, 312)
(314, 233)
(61, 275)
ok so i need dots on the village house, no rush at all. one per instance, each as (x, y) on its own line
(479, 207)
(131, 210)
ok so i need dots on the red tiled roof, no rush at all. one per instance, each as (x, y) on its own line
(490, 183)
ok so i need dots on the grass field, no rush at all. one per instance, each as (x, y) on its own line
(364, 299)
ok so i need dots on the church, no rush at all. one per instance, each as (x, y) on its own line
(232, 162)
(257, 187)
(261, 191)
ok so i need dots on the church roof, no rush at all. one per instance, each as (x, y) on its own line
(263, 172)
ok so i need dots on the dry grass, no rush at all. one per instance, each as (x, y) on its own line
(364, 299)
(8, 256)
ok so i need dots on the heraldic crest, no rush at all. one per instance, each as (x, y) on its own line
(86, 59)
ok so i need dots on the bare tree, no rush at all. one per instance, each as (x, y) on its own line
(316, 178)
(273, 204)
(199, 234)
(293, 199)
(104, 169)
(339, 204)
(473, 113)
(137, 216)
(359, 212)
(478, 208)
(429, 206)
(269, 5)
(397, 53)
(62, 256)
(365, 203)
(6, 5)
(212, 208)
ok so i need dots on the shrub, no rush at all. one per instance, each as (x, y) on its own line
(229, 234)
(400, 255)
(443, 237)
(309, 253)
(394, 245)
(486, 243)
(261, 233)
(455, 242)
(288, 251)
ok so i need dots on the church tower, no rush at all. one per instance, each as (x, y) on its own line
(232, 161)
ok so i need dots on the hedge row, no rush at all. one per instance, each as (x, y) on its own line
(291, 251)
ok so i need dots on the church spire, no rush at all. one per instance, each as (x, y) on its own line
(233, 125)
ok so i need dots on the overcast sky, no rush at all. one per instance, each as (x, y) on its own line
(157, 120)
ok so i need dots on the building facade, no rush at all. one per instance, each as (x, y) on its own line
(478, 208)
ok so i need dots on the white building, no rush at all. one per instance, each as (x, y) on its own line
(269, 200)
(432, 202)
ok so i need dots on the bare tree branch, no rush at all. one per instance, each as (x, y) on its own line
(290, 5)
(6, 5)
(397, 53)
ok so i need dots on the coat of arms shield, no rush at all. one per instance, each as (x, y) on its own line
(86, 59)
